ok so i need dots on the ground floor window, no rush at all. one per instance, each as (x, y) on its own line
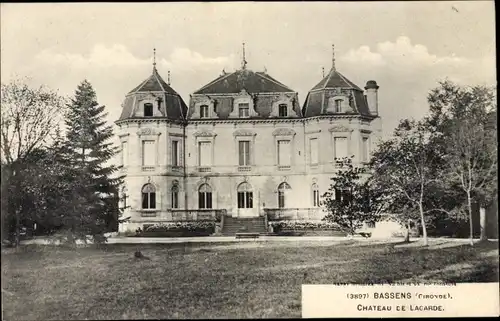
(205, 197)
(315, 190)
(148, 196)
(283, 189)
(245, 196)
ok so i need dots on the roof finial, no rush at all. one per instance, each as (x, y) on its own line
(265, 70)
(168, 78)
(154, 58)
(333, 57)
(243, 61)
(323, 71)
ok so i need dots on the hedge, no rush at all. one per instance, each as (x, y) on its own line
(178, 229)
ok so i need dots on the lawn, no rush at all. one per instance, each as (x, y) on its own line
(243, 280)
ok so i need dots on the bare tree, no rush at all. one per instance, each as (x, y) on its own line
(466, 119)
(30, 116)
(29, 119)
(472, 161)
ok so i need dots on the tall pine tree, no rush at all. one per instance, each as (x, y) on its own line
(87, 150)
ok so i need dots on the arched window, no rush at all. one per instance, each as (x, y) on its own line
(148, 196)
(175, 195)
(245, 196)
(148, 110)
(282, 190)
(205, 197)
(315, 195)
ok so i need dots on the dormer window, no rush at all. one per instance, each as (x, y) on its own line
(283, 110)
(243, 110)
(148, 110)
(203, 111)
(338, 105)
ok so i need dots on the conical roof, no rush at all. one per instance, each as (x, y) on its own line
(335, 79)
(154, 83)
(316, 102)
(172, 106)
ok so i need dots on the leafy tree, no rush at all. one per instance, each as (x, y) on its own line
(463, 116)
(29, 119)
(88, 150)
(406, 168)
(351, 199)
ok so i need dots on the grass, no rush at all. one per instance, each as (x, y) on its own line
(243, 280)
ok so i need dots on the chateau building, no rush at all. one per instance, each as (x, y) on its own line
(245, 146)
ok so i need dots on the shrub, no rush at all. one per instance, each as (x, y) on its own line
(178, 229)
(182, 226)
(292, 225)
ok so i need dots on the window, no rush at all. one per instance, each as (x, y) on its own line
(244, 153)
(284, 152)
(313, 151)
(124, 153)
(340, 147)
(283, 189)
(204, 154)
(342, 196)
(315, 190)
(203, 111)
(175, 153)
(148, 196)
(205, 197)
(283, 110)
(175, 196)
(338, 105)
(365, 151)
(148, 110)
(245, 196)
(148, 153)
(243, 110)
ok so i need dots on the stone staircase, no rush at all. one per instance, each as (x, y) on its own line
(233, 225)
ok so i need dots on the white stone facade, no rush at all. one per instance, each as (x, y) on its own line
(177, 176)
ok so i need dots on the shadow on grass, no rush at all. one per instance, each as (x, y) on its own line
(385, 263)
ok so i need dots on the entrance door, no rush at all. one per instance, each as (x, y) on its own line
(247, 206)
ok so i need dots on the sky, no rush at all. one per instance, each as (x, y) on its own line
(407, 47)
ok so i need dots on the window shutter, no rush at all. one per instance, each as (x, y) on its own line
(284, 152)
(175, 153)
(241, 153)
(340, 147)
(205, 154)
(314, 150)
(148, 153)
(366, 151)
(124, 153)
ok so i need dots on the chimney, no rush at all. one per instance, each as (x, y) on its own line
(372, 96)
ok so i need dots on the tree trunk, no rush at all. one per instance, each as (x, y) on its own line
(482, 223)
(424, 229)
(407, 232)
(471, 229)
(17, 240)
